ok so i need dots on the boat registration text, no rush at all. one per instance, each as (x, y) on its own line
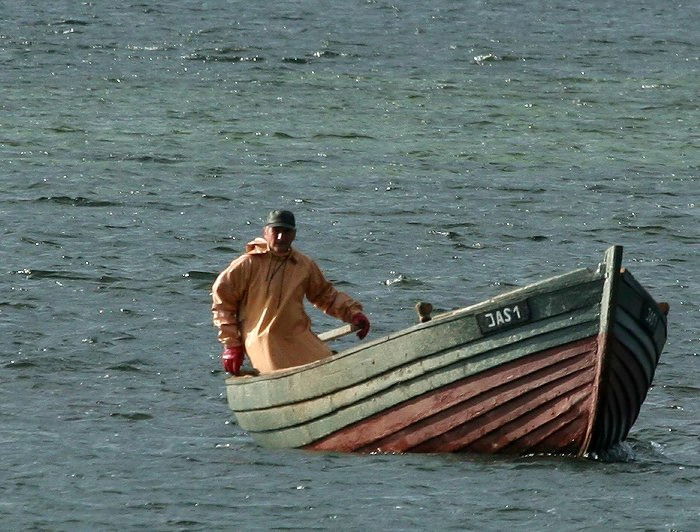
(503, 318)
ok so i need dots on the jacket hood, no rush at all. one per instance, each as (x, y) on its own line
(256, 247)
(259, 247)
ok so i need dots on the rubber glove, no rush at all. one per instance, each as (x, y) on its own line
(361, 321)
(232, 359)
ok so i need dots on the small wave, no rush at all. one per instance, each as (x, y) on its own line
(500, 284)
(511, 188)
(342, 136)
(35, 242)
(450, 235)
(299, 162)
(295, 60)
(68, 275)
(490, 58)
(69, 22)
(214, 197)
(97, 46)
(153, 159)
(200, 276)
(163, 47)
(124, 367)
(223, 55)
(327, 53)
(597, 187)
(66, 129)
(78, 201)
(323, 54)
(17, 306)
(403, 281)
(14, 364)
(485, 58)
(200, 280)
(49, 274)
(226, 249)
(652, 229)
(132, 416)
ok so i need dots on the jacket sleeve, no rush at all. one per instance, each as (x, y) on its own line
(324, 296)
(228, 292)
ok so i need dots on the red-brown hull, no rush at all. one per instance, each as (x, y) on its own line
(542, 403)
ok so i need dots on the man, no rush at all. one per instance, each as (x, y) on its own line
(258, 303)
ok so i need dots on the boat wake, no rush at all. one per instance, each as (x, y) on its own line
(621, 452)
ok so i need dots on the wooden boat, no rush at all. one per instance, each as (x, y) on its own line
(560, 366)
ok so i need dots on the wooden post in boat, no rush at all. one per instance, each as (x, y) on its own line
(423, 309)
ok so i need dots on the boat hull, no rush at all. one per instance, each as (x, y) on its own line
(537, 403)
(559, 366)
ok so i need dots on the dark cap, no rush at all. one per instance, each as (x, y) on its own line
(281, 219)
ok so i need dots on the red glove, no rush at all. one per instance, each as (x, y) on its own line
(232, 359)
(361, 321)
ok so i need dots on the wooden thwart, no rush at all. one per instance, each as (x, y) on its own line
(339, 332)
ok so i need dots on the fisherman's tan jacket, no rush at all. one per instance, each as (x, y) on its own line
(258, 301)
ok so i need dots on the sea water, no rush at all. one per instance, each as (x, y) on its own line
(441, 151)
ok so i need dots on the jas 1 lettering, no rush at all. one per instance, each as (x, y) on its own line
(502, 317)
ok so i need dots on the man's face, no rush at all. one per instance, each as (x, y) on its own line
(279, 238)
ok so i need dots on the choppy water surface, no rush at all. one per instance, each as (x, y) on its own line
(444, 151)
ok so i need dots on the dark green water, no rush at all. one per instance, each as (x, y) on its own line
(440, 151)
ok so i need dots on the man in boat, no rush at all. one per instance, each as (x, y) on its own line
(258, 303)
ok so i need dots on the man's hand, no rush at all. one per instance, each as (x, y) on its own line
(360, 320)
(232, 359)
